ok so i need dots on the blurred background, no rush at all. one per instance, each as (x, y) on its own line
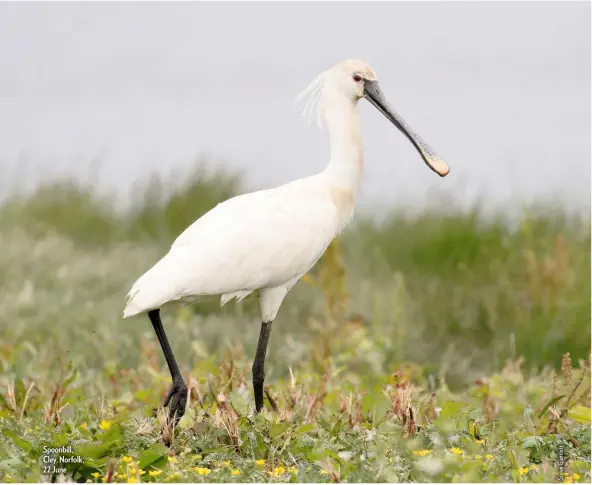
(123, 123)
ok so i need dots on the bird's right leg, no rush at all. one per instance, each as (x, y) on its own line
(259, 364)
(270, 301)
(177, 396)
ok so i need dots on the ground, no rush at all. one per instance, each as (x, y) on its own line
(319, 425)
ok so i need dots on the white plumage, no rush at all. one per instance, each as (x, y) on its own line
(261, 240)
(267, 240)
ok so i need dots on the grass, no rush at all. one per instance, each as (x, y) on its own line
(426, 347)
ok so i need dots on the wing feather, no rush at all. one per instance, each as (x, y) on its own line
(253, 241)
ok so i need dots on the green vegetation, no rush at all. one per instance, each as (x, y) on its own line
(427, 347)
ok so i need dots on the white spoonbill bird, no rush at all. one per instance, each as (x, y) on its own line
(267, 240)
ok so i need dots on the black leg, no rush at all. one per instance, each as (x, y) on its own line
(177, 396)
(259, 364)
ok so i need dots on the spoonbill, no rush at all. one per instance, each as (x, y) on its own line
(267, 240)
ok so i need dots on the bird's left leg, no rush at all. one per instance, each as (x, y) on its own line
(177, 396)
(270, 301)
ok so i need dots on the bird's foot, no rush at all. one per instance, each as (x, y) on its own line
(177, 397)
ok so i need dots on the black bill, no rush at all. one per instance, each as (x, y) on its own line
(373, 94)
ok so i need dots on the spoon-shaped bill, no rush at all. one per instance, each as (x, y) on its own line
(373, 94)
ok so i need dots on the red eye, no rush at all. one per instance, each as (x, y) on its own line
(357, 78)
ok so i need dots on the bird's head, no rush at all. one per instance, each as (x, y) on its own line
(353, 80)
(349, 78)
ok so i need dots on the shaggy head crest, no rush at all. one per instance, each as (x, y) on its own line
(313, 94)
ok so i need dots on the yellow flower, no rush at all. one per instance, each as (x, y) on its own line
(456, 451)
(105, 425)
(225, 463)
(127, 459)
(154, 473)
(277, 471)
(523, 470)
(478, 457)
(489, 457)
(568, 479)
(323, 472)
(293, 469)
(480, 441)
(259, 462)
(141, 472)
(533, 467)
(202, 471)
(95, 475)
(172, 459)
(82, 426)
(235, 472)
(132, 480)
(421, 452)
(576, 476)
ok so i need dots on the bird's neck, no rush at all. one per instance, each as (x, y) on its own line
(346, 165)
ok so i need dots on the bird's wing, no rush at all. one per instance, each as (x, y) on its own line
(256, 240)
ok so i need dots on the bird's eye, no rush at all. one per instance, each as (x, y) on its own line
(357, 78)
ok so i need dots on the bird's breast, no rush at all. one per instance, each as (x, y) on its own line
(344, 201)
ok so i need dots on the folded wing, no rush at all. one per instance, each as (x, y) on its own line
(253, 241)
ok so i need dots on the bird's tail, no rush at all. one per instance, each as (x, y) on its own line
(131, 307)
(152, 290)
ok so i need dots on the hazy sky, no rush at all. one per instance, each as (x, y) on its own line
(500, 90)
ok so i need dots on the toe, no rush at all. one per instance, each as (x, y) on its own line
(168, 397)
(177, 407)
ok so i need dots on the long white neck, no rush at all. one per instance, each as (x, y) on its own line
(344, 171)
(342, 122)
